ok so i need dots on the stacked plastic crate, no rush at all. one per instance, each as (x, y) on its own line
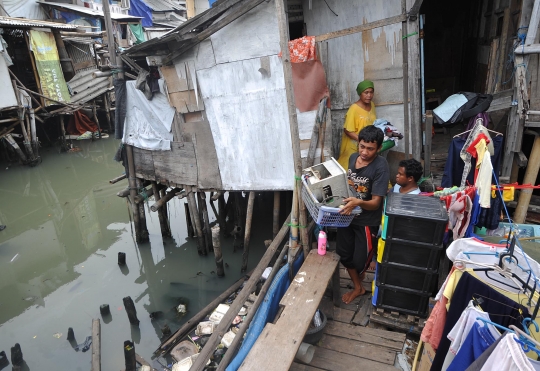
(414, 228)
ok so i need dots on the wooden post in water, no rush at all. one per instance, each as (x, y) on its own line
(222, 210)
(107, 105)
(16, 147)
(94, 111)
(27, 144)
(142, 216)
(189, 224)
(195, 219)
(33, 135)
(206, 221)
(96, 345)
(129, 356)
(275, 219)
(133, 192)
(130, 310)
(217, 251)
(63, 146)
(163, 222)
(247, 235)
(239, 223)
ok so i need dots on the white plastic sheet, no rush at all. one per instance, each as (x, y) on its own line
(148, 122)
(24, 9)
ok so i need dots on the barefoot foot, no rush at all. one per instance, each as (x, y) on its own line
(351, 295)
(372, 266)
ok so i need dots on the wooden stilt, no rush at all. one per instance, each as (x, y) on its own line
(275, 220)
(216, 214)
(163, 222)
(206, 221)
(143, 229)
(107, 105)
(33, 135)
(217, 251)
(133, 191)
(129, 356)
(63, 145)
(164, 199)
(130, 310)
(189, 224)
(239, 224)
(222, 214)
(247, 234)
(94, 110)
(195, 219)
(96, 345)
(16, 147)
(20, 112)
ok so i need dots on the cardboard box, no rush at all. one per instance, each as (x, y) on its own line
(427, 354)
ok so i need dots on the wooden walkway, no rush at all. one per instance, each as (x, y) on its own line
(349, 341)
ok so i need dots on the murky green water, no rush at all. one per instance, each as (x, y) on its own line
(58, 261)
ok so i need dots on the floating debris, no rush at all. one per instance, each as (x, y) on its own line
(219, 312)
(205, 328)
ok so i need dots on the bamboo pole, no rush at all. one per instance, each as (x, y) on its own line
(531, 174)
(247, 233)
(107, 110)
(275, 219)
(187, 327)
(405, 53)
(143, 229)
(20, 113)
(24, 88)
(163, 223)
(222, 213)
(195, 219)
(163, 200)
(239, 301)
(283, 26)
(189, 224)
(217, 251)
(64, 146)
(117, 179)
(231, 351)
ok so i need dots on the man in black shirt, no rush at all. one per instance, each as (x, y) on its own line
(368, 176)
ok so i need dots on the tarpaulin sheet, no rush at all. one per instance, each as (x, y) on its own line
(75, 18)
(29, 9)
(53, 84)
(148, 122)
(309, 83)
(140, 9)
(80, 124)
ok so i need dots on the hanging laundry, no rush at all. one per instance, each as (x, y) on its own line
(302, 49)
(509, 356)
(479, 338)
(390, 131)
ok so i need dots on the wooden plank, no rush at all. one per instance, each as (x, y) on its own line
(358, 349)
(208, 175)
(400, 322)
(186, 101)
(300, 303)
(490, 83)
(387, 339)
(178, 165)
(144, 163)
(334, 361)
(96, 345)
(300, 367)
(174, 82)
(502, 49)
(343, 315)
(361, 317)
(361, 28)
(85, 64)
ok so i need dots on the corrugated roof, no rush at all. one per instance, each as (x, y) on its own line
(18, 22)
(91, 12)
(163, 5)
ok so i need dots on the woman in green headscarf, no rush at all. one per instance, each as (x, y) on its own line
(360, 114)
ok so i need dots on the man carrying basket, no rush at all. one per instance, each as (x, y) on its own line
(368, 176)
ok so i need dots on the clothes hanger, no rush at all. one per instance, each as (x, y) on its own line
(462, 264)
(467, 131)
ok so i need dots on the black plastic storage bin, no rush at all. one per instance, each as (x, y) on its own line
(403, 300)
(414, 254)
(407, 277)
(414, 218)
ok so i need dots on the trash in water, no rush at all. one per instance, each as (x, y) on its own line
(266, 273)
(58, 335)
(237, 320)
(228, 339)
(205, 328)
(181, 309)
(14, 258)
(243, 311)
(183, 350)
(219, 312)
(84, 346)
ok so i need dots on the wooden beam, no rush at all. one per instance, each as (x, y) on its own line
(502, 49)
(529, 49)
(415, 9)
(96, 345)
(83, 34)
(362, 28)
(530, 178)
(532, 30)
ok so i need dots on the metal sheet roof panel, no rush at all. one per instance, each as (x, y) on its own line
(91, 12)
(23, 22)
(163, 5)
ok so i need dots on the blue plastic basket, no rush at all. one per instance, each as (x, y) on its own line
(325, 215)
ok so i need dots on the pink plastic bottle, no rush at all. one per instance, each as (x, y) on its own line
(322, 243)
